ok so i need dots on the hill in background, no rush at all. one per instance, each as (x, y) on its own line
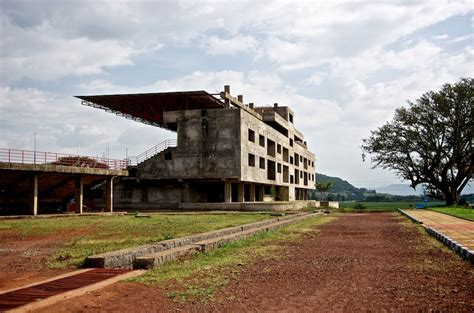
(342, 190)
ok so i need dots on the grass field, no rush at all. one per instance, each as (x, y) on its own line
(202, 274)
(467, 213)
(381, 206)
(75, 238)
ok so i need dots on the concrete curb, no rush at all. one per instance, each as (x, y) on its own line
(124, 258)
(412, 218)
(162, 257)
(464, 252)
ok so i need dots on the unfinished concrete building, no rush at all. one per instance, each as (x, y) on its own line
(226, 154)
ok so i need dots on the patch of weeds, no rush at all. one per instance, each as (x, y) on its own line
(423, 243)
(167, 236)
(203, 294)
(359, 207)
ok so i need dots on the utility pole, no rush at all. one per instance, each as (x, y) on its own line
(34, 150)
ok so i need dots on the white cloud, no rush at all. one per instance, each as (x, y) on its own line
(316, 78)
(41, 54)
(64, 125)
(238, 44)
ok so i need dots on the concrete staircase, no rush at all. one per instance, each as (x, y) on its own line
(142, 157)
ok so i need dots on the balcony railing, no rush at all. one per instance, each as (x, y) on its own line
(135, 160)
(52, 158)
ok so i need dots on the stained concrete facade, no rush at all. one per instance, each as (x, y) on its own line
(223, 155)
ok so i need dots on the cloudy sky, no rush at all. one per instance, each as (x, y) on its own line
(342, 66)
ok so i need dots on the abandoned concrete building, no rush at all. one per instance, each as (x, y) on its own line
(225, 152)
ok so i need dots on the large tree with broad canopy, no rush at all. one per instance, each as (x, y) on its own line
(430, 142)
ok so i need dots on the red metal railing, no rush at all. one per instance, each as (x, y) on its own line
(169, 143)
(37, 157)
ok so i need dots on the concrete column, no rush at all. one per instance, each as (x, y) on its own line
(291, 193)
(185, 197)
(227, 192)
(240, 194)
(260, 193)
(79, 194)
(109, 195)
(33, 200)
(226, 101)
(251, 193)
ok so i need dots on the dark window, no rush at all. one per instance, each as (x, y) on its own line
(291, 179)
(168, 155)
(261, 140)
(271, 170)
(279, 167)
(297, 158)
(285, 154)
(278, 148)
(291, 142)
(251, 159)
(291, 118)
(251, 135)
(285, 174)
(270, 147)
(262, 163)
(291, 160)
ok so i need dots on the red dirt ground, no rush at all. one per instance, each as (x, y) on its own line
(24, 261)
(360, 262)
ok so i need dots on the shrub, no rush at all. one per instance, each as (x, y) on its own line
(360, 206)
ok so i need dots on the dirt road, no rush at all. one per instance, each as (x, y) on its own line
(360, 262)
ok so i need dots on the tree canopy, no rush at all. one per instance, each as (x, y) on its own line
(323, 186)
(431, 141)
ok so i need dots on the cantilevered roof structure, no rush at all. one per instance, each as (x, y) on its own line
(148, 108)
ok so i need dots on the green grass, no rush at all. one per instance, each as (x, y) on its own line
(202, 274)
(467, 213)
(88, 235)
(380, 206)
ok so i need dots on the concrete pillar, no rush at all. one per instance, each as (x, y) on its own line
(185, 197)
(227, 192)
(260, 193)
(240, 194)
(291, 193)
(251, 193)
(109, 195)
(226, 101)
(33, 200)
(79, 194)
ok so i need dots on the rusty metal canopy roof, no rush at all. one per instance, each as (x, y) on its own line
(148, 108)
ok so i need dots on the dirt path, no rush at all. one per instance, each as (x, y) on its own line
(360, 262)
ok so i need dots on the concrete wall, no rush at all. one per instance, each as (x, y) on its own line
(251, 206)
(130, 193)
(288, 164)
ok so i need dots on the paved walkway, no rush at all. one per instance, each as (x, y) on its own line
(458, 229)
